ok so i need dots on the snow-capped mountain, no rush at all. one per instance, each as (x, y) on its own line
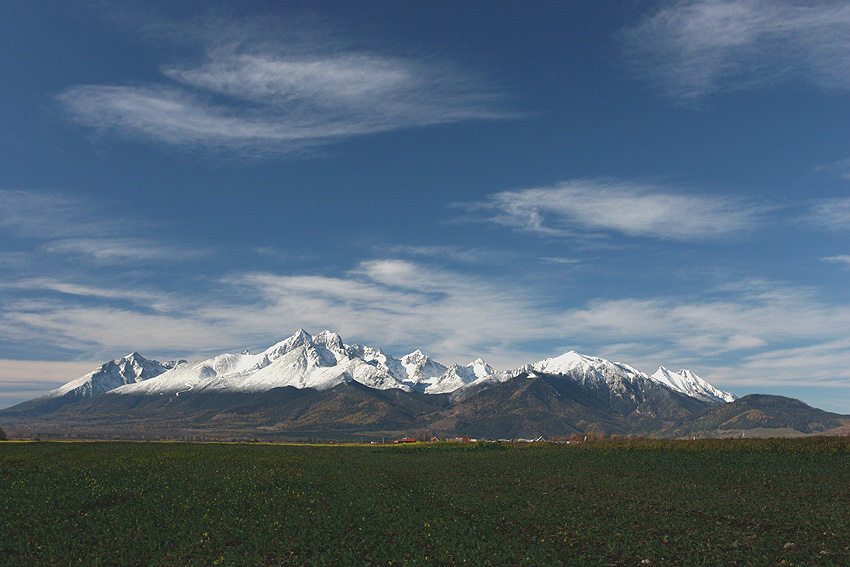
(304, 361)
(610, 380)
(323, 361)
(113, 374)
(589, 371)
(689, 383)
(613, 383)
(424, 373)
(592, 371)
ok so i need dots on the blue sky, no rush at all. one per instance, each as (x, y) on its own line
(660, 183)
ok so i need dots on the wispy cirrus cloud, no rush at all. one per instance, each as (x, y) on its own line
(122, 250)
(457, 254)
(725, 334)
(22, 380)
(749, 315)
(252, 93)
(840, 168)
(147, 298)
(600, 206)
(696, 48)
(398, 304)
(41, 215)
(830, 214)
(841, 259)
(828, 360)
(66, 226)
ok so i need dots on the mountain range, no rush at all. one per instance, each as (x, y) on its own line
(319, 387)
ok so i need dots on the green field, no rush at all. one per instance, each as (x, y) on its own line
(744, 502)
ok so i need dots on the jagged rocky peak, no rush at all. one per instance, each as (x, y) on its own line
(323, 361)
(329, 339)
(457, 376)
(129, 369)
(298, 339)
(687, 382)
(415, 357)
(142, 368)
(587, 368)
(420, 366)
(480, 368)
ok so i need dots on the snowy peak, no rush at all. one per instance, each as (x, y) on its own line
(480, 369)
(621, 380)
(322, 350)
(129, 369)
(300, 338)
(687, 382)
(421, 368)
(324, 361)
(587, 369)
(457, 376)
(329, 340)
(565, 363)
(301, 361)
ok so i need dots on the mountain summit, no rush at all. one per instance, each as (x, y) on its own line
(324, 361)
(317, 386)
(689, 383)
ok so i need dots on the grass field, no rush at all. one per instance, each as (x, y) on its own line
(743, 502)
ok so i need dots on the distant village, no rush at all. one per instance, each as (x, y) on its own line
(575, 438)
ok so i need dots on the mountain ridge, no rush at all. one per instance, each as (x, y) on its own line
(308, 386)
(324, 361)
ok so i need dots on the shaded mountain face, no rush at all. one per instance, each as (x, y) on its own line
(533, 404)
(759, 414)
(527, 405)
(320, 382)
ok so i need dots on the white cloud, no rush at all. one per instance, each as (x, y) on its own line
(701, 47)
(561, 260)
(750, 314)
(252, 95)
(830, 214)
(628, 208)
(402, 305)
(823, 363)
(840, 168)
(452, 253)
(22, 380)
(142, 297)
(840, 259)
(121, 250)
(44, 215)
(70, 227)
(103, 330)
(394, 304)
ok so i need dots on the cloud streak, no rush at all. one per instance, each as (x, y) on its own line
(830, 214)
(697, 48)
(841, 259)
(402, 305)
(602, 206)
(252, 95)
(69, 227)
(22, 380)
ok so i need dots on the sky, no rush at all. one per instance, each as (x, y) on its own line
(657, 183)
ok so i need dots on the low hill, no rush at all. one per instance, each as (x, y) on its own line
(759, 414)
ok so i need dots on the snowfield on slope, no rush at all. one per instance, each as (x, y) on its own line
(324, 361)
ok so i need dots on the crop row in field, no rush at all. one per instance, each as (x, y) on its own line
(760, 502)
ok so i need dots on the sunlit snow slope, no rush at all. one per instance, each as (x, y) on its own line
(324, 361)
